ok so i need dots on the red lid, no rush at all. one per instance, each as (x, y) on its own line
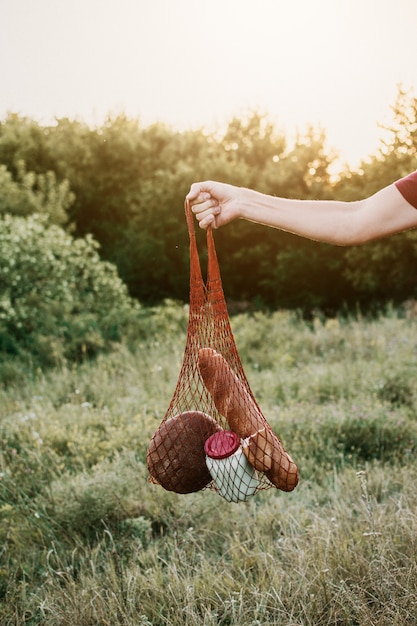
(221, 444)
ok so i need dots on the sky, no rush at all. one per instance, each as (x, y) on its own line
(333, 64)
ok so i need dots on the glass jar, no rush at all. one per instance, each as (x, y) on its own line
(235, 478)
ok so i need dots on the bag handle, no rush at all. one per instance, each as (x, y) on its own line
(214, 287)
(195, 268)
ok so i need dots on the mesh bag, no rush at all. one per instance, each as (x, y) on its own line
(214, 433)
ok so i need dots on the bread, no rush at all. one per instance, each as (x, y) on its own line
(234, 401)
(176, 459)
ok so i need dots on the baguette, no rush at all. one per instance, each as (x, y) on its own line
(233, 400)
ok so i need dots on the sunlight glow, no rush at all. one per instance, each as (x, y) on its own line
(335, 64)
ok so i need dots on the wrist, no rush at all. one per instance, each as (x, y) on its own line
(247, 202)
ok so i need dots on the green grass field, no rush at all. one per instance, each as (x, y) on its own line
(86, 540)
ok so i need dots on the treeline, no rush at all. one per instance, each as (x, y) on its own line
(125, 184)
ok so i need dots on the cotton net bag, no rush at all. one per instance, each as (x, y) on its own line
(214, 433)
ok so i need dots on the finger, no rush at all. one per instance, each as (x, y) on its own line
(207, 213)
(196, 190)
(208, 221)
(204, 204)
(204, 196)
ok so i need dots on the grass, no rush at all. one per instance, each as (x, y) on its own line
(86, 540)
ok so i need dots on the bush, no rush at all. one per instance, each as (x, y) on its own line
(58, 300)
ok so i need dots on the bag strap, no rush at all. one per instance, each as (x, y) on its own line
(197, 287)
(213, 290)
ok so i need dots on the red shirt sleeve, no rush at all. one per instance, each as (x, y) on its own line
(408, 188)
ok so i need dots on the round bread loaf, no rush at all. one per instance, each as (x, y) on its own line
(176, 458)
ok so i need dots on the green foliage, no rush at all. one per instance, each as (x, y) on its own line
(403, 130)
(129, 184)
(379, 269)
(24, 140)
(34, 193)
(86, 539)
(58, 300)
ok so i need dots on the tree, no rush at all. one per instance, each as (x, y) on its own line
(34, 193)
(125, 184)
(24, 140)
